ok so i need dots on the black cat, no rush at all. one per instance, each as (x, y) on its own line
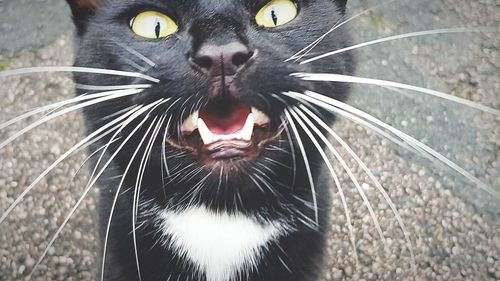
(205, 167)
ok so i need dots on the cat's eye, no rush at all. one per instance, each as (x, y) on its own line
(276, 13)
(153, 25)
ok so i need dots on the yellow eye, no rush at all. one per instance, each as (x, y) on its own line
(153, 25)
(276, 13)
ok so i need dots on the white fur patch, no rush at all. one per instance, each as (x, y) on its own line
(220, 244)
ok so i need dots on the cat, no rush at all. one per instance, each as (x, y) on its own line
(197, 232)
(231, 199)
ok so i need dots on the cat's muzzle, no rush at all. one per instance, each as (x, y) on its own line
(226, 129)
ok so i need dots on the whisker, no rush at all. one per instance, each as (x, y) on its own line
(164, 163)
(117, 194)
(112, 115)
(122, 93)
(111, 88)
(301, 119)
(151, 108)
(135, 200)
(56, 106)
(366, 124)
(373, 179)
(219, 184)
(339, 24)
(292, 146)
(135, 65)
(59, 160)
(92, 154)
(137, 54)
(138, 185)
(306, 163)
(256, 169)
(390, 84)
(42, 69)
(87, 190)
(193, 193)
(142, 166)
(403, 36)
(332, 105)
(341, 193)
(163, 149)
(256, 183)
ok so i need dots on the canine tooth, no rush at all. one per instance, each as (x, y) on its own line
(194, 119)
(190, 124)
(246, 132)
(260, 117)
(206, 135)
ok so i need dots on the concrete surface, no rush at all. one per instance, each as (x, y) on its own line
(453, 226)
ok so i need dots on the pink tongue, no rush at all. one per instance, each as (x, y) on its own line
(227, 121)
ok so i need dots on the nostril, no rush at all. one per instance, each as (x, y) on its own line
(205, 62)
(240, 58)
(218, 60)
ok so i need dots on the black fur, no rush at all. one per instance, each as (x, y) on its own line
(101, 27)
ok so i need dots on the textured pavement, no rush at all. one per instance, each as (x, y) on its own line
(453, 225)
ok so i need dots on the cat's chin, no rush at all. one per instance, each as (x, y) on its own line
(226, 131)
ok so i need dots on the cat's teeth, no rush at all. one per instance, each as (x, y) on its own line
(194, 122)
(190, 124)
(206, 135)
(260, 117)
(194, 118)
(247, 131)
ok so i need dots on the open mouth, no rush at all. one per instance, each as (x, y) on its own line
(226, 129)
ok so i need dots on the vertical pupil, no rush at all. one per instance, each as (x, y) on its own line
(157, 29)
(274, 17)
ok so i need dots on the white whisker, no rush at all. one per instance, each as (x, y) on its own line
(428, 152)
(117, 194)
(119, 94)
(87, 190)
(292, 149)
(138, 185)
(41, 69)
(59, 160)
(111, 88)
(301, 119)
(306, 163)
(163, 149)
(384, 83)
(92, 154)
(135, 65)
(342, 197)
(311, 46)
(135, 205)
(53, 107)
(137, 54)
(402, 36)
(361, 121)
(373, 179)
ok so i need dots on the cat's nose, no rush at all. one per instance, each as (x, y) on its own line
(222, 60)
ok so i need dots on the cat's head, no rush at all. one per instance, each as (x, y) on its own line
(221, 65)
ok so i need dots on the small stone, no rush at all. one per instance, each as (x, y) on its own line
(337, 274)
(21, 269)
(348, 271)
(30, 262)
(55, 150)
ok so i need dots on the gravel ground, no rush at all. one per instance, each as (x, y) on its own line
(453, 226)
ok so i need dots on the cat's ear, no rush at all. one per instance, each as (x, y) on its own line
(82, 10)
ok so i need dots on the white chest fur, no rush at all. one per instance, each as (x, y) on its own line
(221, 245)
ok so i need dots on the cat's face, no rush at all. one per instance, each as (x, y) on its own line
(219, 65)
